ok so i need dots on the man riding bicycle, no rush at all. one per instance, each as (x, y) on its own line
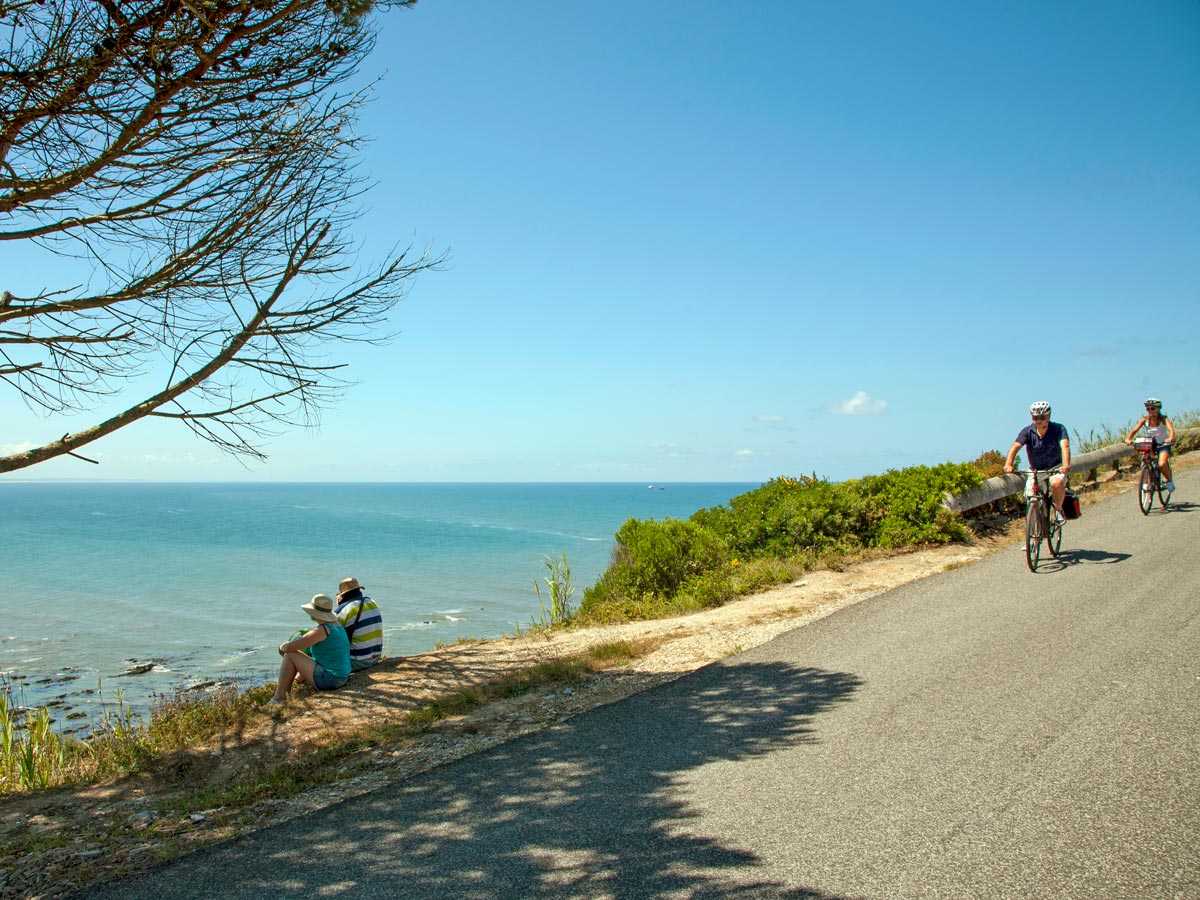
(1162, 430)
(1047, 446)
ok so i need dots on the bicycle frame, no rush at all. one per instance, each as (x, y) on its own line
(1039, 524)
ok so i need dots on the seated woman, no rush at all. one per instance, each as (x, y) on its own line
(329, 666)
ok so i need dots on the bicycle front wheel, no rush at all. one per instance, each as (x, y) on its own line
(1053, 535)
(1164, 496)
(1146, 490)
(1033, 535)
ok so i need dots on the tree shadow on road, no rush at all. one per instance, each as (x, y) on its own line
(589, 808)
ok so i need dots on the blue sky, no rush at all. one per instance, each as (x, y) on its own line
(715, 242)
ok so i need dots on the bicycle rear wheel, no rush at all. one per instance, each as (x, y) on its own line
(1033, 535)
(1146, 490)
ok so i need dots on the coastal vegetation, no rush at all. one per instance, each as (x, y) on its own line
(560, 590)
(772, 534)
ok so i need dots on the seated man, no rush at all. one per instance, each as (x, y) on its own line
(361, 618)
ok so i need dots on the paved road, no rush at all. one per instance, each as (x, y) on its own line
(986, 733)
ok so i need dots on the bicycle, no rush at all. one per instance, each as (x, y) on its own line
(1040, 525)
(1150, 481)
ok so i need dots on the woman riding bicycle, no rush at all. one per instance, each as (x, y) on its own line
(1047, 446)
(1160, 428)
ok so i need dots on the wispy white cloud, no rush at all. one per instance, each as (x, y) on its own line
(10, 449)
(859, 405)
(768, 418)
(744, 453)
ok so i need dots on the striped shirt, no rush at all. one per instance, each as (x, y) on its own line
(366, 645)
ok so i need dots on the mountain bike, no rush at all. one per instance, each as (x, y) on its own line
(1150, 482)
(1040, 525)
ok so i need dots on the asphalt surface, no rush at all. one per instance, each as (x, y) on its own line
(984, 733)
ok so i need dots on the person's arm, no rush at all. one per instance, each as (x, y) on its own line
(1129, 437)
(306, 640)
(1012, 454)
(1170, 430)
(1065, 444)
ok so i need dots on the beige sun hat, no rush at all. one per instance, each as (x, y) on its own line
(347, 585)
(320, 608)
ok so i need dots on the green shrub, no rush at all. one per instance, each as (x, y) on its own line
(707, 589)
(990, 464)
(786, 516)
(766, 536)
(651, 559)
(759, 574)
(906, 504)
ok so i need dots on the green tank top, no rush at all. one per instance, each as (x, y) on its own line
(333, 653)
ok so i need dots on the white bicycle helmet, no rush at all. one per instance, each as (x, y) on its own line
(1153, 403)
(1041, 408)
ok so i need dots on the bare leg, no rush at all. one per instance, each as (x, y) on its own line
(293, 664)
(1164, 466)
(1058, 490)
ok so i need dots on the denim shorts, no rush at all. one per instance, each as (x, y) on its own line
(1165, 448)
(324, 681)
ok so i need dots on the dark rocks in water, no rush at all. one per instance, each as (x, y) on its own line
(139, 669)
(57, 678)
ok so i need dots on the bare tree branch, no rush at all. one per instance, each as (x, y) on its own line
(196, 157)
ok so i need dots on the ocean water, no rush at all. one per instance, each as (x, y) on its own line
(185, 584)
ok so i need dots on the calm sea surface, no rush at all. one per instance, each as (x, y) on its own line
(204, 580)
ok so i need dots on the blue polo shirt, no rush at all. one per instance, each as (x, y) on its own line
(1043, 452)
